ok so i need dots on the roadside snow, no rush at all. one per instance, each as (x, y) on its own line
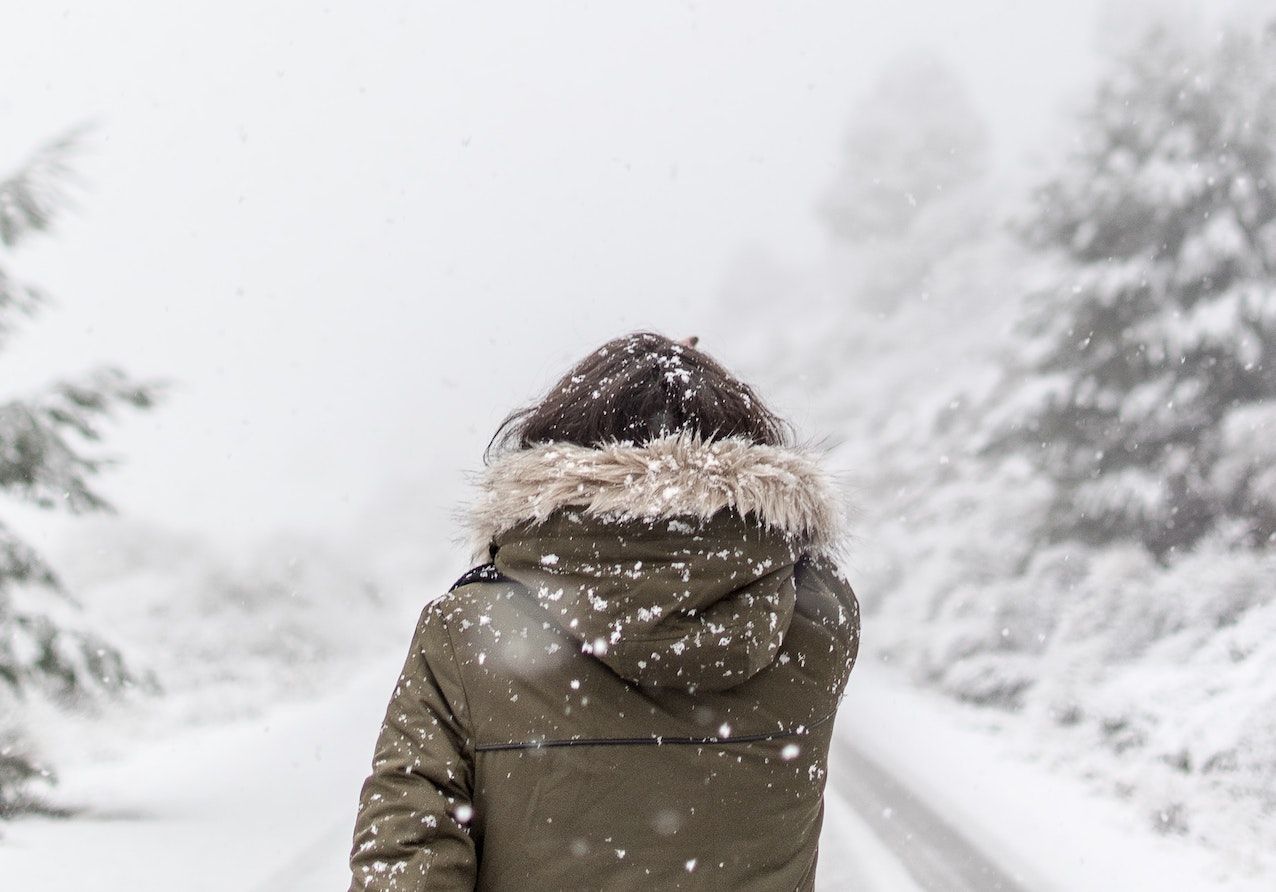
(261, 804)
(986, 775)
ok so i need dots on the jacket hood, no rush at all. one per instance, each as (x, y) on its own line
(671, 561)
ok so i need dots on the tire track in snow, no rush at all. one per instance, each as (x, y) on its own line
(934, 852)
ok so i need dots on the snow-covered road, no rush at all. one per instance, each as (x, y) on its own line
(266, 806)
(920, 840)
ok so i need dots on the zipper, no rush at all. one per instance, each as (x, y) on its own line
(801, 731)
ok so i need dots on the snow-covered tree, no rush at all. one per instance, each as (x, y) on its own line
(910, 188)
(47, 458)
(913, 138)
(909, 298)
(1147, 391)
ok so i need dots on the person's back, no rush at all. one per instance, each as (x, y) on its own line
(638, 690)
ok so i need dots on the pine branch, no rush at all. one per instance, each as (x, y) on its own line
(41, 438)
(16, 300)
(78, 404)
(20, 563)
(31, 198)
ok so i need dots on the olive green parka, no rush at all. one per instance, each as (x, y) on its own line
(637, 692)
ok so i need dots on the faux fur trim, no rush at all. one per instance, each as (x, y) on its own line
(676, 476)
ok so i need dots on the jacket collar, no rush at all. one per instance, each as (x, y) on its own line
(681, 475)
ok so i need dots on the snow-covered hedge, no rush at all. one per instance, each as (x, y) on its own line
(1157, 680)
(208, 635)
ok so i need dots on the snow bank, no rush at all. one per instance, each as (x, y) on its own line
(988, 774)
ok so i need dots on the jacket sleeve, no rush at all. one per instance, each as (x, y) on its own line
(411, 831)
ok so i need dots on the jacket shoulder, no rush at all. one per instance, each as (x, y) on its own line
(825, 586)
(482, 573)
(471, 596)
(825, 597)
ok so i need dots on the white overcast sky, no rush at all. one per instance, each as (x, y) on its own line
(354, 234)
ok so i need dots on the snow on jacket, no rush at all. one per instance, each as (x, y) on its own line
(637, 693)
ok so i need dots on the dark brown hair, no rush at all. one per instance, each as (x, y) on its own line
(639, 387)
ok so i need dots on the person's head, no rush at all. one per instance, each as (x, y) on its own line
(640, 387)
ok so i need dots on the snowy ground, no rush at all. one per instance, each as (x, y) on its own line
(255, 805)
(919, 797)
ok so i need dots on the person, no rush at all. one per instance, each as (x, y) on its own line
(637, 689)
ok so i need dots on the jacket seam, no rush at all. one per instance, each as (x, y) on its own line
(651, 741)
(471, 737)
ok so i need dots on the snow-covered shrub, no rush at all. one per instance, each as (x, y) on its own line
(991, 679)
(225, 632)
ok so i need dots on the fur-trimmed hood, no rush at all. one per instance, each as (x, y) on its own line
(673, 561)
(682, 475)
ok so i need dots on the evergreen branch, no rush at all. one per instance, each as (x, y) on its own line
(39, 465)
(40, 458)
(16, 299)
(77, 404)
(31, 198)
(71, 662)
(20, 563)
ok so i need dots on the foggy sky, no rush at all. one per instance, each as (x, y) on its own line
(354, 235)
